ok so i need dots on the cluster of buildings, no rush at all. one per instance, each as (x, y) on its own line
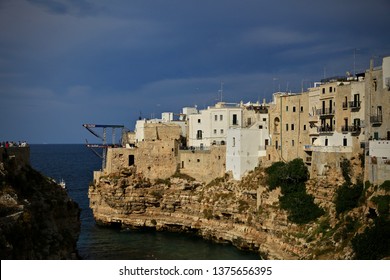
(341, 117)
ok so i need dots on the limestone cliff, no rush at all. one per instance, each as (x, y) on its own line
(244, 213)
(37, 218)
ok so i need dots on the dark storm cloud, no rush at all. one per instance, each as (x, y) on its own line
(90, 61)
(61, 7)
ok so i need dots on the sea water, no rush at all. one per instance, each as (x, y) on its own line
(75, 165)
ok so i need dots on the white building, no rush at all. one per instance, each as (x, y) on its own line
(209, 127)
(245, 146)
(378, 162)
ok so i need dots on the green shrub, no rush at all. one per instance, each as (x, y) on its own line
(382, 201)
(291, 178)
(385, 185)
(346, 170)
(373, 243)
(347, 197)
(273, 172)
(301, 207)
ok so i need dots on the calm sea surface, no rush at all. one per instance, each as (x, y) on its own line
(75, 164)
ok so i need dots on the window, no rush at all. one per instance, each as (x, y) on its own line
(131, 160)
(266, 142)
(199, 134)
(264, 119)
(260, 127)
(215, 117)
(234, 119)
(379, 110)
(234, 141)
(215, 131)
(198, 120)
(294, 109)
(286, 126)
(292, 143)
(249, 121)
(286, 108)
(182, 164)
(198, 160)
(221, 131)
(276, 124)
(304, 127)
(220, 117)
(292, 126)
(323, 90)
(326, 142)
(330, 89)
(301, 108)
(345, 142)
(276, 144)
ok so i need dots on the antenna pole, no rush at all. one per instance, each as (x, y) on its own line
(221, 91)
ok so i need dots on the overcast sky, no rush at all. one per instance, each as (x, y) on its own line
(68, 62)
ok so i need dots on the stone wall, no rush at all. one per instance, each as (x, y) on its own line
(377, 170)
(157, 159)
(203, 165)
(324, 160)
(153, 159)
(161, 131)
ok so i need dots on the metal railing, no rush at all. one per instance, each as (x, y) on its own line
(376, 119)
(325, 111)
(350, 128)
(354, 104)
(325, 129)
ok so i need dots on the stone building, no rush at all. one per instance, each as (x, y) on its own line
(337, 118)
(377, 128)
(288, 127)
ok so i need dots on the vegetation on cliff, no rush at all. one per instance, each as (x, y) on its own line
(291, 177)
(374, 241)
(37, 218)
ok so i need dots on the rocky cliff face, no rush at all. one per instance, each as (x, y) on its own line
(37, 218)
(245, 213)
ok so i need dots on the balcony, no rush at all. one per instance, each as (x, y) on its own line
(353, 129)
(325, 130)
(354, 105)
(376, 120)
(308, 148)
(325, 112)
(345, 105)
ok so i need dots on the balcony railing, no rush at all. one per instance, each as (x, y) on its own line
(325, 111)
(376, 119)
(325, 129)
(354, 105)
(350, 128)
